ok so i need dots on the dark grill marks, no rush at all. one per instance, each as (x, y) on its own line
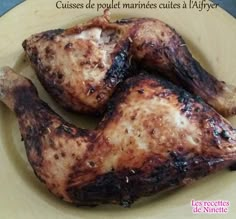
(120, 66)
(125, 186)
(192, 75)
(70, 130)
(49, 35)
(28, 108)
(34, 116)
(23, 98)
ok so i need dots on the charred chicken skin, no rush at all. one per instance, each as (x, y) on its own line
(169, 138)
(81, 66)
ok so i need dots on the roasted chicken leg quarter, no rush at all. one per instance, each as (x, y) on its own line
(81, 66)
(155, 136)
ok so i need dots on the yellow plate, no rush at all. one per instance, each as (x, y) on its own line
(210, 36)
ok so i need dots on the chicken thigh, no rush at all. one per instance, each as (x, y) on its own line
(81, 66)
(154, 136)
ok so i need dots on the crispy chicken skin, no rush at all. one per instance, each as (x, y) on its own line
(154, 136)
(81, 66)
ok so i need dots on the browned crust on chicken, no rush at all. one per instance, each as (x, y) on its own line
(70, 63)
(162, 49)
(125, 186)
(81, 74)
(155, 136)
